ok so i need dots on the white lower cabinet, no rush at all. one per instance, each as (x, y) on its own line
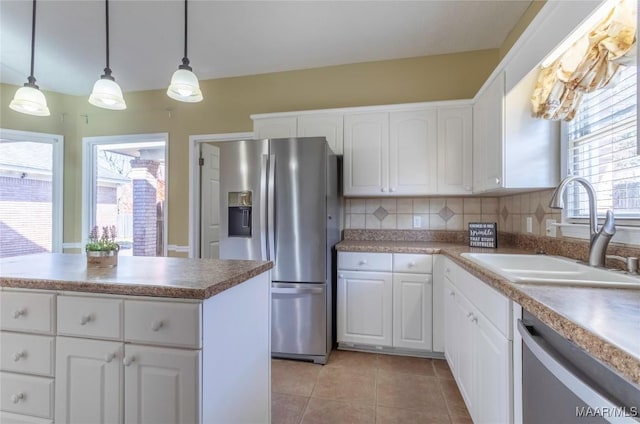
(385, 301)
(478, 342)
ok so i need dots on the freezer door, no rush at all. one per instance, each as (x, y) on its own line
(243, 169)
(298, 319)
(299, 232)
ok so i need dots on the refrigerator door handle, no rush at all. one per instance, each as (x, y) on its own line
(271, 200)
(297, 290)
(263, 209)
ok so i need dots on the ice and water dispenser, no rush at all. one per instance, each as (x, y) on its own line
(239, 213)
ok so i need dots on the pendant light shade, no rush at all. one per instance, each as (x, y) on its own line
(106, 92)
(29, 99)
(184, 85)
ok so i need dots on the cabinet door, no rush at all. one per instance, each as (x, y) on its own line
(329, 125)
(455, 150)
(451, 334)
(492, 362)
(162, 385)
(412, 311)
(465, 349)
(413, 152)
(88, 381)
(366, 154)
(275, 127)
(364, 307)
(488, 136)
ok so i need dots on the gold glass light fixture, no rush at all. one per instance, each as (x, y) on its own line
(106, 92)
(29, 99)
(184, 85)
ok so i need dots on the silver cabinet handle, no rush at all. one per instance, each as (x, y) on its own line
(19, 312)
(17, 397)
(157, 325)
(128, 360)
(85, 319)
(19, 355)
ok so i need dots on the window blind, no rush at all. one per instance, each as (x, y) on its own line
(602, 147)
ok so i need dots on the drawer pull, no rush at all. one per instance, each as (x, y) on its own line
(85, 319)
(448, 270)
(412, 264)
(157, 325)
(19, 312)
(362, 262)
(17, 397)
(474, 319)
(452, 293)
(128, 360)
(109, 357)
(19, 355)
(469, 315)
(341, 275)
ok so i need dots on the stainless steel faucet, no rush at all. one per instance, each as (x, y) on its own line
(599, 239)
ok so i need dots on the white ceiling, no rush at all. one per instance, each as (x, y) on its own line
(233, 38)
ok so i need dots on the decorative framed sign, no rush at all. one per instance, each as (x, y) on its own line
(483, 234)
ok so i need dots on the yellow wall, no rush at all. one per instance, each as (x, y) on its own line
(226, 108)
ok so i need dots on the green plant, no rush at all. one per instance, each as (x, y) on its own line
(104, 242)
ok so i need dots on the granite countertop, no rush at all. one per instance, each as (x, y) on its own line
(604, 322)
(134, 275)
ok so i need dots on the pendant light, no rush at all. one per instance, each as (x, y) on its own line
(106, 91)
(184, 85)
(29, 99)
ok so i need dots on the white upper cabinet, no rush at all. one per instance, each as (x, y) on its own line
(413, 150)
(285, 127)
(327, 125)
(455, 144)
(366, 154)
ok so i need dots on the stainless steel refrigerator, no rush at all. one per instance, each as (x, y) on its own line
(279, 202)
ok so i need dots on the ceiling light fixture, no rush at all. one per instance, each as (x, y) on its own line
(29, 99)
(106, 91)
(184, 85)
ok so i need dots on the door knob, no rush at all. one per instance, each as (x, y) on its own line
(156, 325)
(19, 355)
(127, 360)
(382, 189)
(19, 312)
(109, 357)
(17, 397)
(85, 319)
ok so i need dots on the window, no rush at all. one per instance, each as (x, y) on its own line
(602, 147)
(30, 193)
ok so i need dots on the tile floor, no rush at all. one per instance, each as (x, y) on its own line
(356, 387)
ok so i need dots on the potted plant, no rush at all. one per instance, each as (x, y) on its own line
(102, 250)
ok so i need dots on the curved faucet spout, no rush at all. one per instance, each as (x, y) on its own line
(557, 200)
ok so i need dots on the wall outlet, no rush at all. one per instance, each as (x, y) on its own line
(529, 224)
(550, 227)
(417, 222)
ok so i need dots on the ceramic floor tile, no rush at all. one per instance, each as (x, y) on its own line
(410, 391)
(405, 364)
(287, 409)
(353, 360)
(453, 398)
(442, 369)
(386, 415)
(326, 411)
(293, 377)
(350, 385)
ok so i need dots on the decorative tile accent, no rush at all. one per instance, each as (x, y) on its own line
(505, 213)
(446, 213)
(539, 213)
(380, 213)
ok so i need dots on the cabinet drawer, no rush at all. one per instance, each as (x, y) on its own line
(25, 394)
(29, 312)
(412, 263)
(90, 317)
(26, 353)
(163, 323)
(362, 261)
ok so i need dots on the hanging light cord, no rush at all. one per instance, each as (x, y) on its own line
(185, 59)
(32, 79)
(107, 70)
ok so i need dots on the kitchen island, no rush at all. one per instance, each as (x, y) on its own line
(151, 340)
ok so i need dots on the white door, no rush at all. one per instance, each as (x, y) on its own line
(329, 125)
(412, 311)
(88, 381)
(413, 152)
(465, 349)
(275, 127)
(451, 333)
(210, 201)
(366, 154)
(491, 375)
(455, 150)
(162, 385)
(365, 301)
(488, 137)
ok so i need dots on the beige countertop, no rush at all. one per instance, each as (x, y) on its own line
(134, 275)
(604, 322)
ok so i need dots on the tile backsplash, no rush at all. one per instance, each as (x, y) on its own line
(514, 210)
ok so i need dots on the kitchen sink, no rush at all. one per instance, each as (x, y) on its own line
(551, 270)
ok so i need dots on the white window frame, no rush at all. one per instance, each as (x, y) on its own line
(57, 177)
(89, 177)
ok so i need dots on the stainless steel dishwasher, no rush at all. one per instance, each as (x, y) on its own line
(561, 383)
